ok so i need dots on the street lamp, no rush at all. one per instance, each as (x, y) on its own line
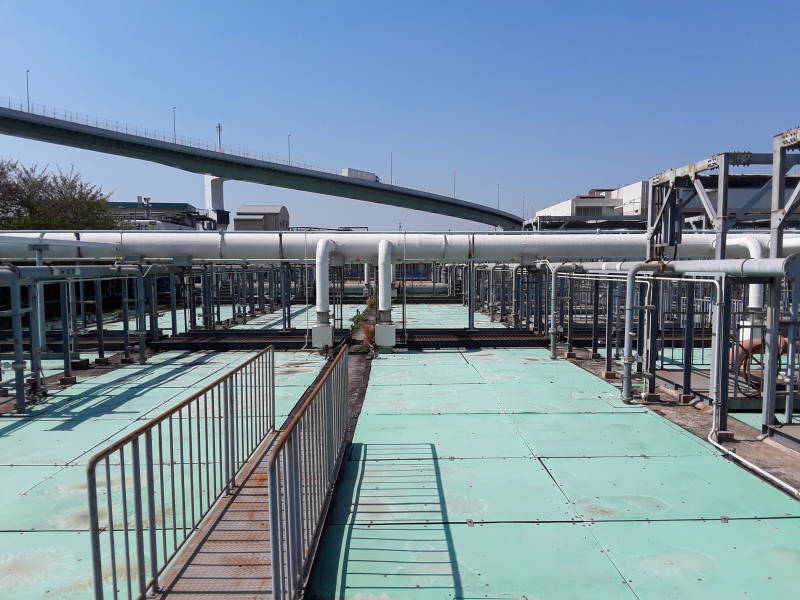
(28, 88)
(289, 144)
(174, 130)
(219, 136)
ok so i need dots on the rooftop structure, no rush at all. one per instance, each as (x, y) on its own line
(261, 217)
(351, 414)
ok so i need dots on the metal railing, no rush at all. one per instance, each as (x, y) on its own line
(303, 467)
(149, 490)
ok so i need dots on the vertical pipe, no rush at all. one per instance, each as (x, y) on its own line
(553, 323)
(98, 305)
(627, 356)
(322, 273)
(688, 340)
(385, 281)
(570, 313)
(653, 337)
(18, 365)
(173, 304)
(152, 288)
(609, 322)
(722, 336)
(65, 333)
(470, 272)
(142, 324)
(788, 413)
(36, 340)
(595, 316)
(126, 346)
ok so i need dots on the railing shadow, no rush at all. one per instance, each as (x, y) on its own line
(397, 532)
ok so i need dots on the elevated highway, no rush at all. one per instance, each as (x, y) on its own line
(80, 133)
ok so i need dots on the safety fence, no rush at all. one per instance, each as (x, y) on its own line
(149, 490)
(303, 467)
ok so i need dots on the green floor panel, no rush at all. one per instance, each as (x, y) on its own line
(754, 418)
(541, 561)
(443, 491)
(419, 357)
(58, 442)
(385, 543)
(546, 398)
(458, 436)
(17, 480)
(695, 487)
(399, 374)
(505, 355)
(53, 565)
(410, 399)
(286, 397)
(606, 434)
(713, 559)
(556, 373)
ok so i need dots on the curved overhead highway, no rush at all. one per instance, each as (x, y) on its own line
(230, 166)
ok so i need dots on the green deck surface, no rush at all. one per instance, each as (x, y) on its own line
(438, 316)
(44, 542)
(502, 474)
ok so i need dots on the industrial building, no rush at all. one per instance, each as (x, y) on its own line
(579, 413)
(261, 217)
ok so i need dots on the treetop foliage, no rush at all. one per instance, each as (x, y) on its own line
(34, 198)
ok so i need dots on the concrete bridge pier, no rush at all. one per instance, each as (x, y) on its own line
(215, 200)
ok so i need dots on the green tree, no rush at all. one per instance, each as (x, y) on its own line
(33, 198)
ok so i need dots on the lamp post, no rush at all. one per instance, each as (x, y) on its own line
(28, 88)
(219, 136)
(289, 144)
(174, 130)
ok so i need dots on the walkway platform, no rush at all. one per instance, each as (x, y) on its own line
(503, 474)
(44, 539)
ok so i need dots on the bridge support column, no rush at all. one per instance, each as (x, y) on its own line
(215, 200)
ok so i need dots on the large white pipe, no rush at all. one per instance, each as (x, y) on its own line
(384, 281)
(440, 247)
(754, 247)
(322, 264)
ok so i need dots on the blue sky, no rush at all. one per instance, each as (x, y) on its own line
(548, 99)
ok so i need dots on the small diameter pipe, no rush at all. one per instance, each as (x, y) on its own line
(627, 355)
(746, 463)
(755, 291)
(322, 264)
(385, 281)
(553, 297)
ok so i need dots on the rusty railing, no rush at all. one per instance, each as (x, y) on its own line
(303, 466)
(149, 490)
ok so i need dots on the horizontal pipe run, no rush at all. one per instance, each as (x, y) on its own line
(351, 246)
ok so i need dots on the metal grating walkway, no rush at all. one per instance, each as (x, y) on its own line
(230, 555)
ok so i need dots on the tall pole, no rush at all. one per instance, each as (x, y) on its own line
(391, 169)
(219, 136)
(498, 200)
(289, 144)
(454, 184)
(28, 88)
(523, 207)
(174, 130)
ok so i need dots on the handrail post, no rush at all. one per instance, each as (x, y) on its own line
(137, 507)
(94, 530)
(151, 508)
